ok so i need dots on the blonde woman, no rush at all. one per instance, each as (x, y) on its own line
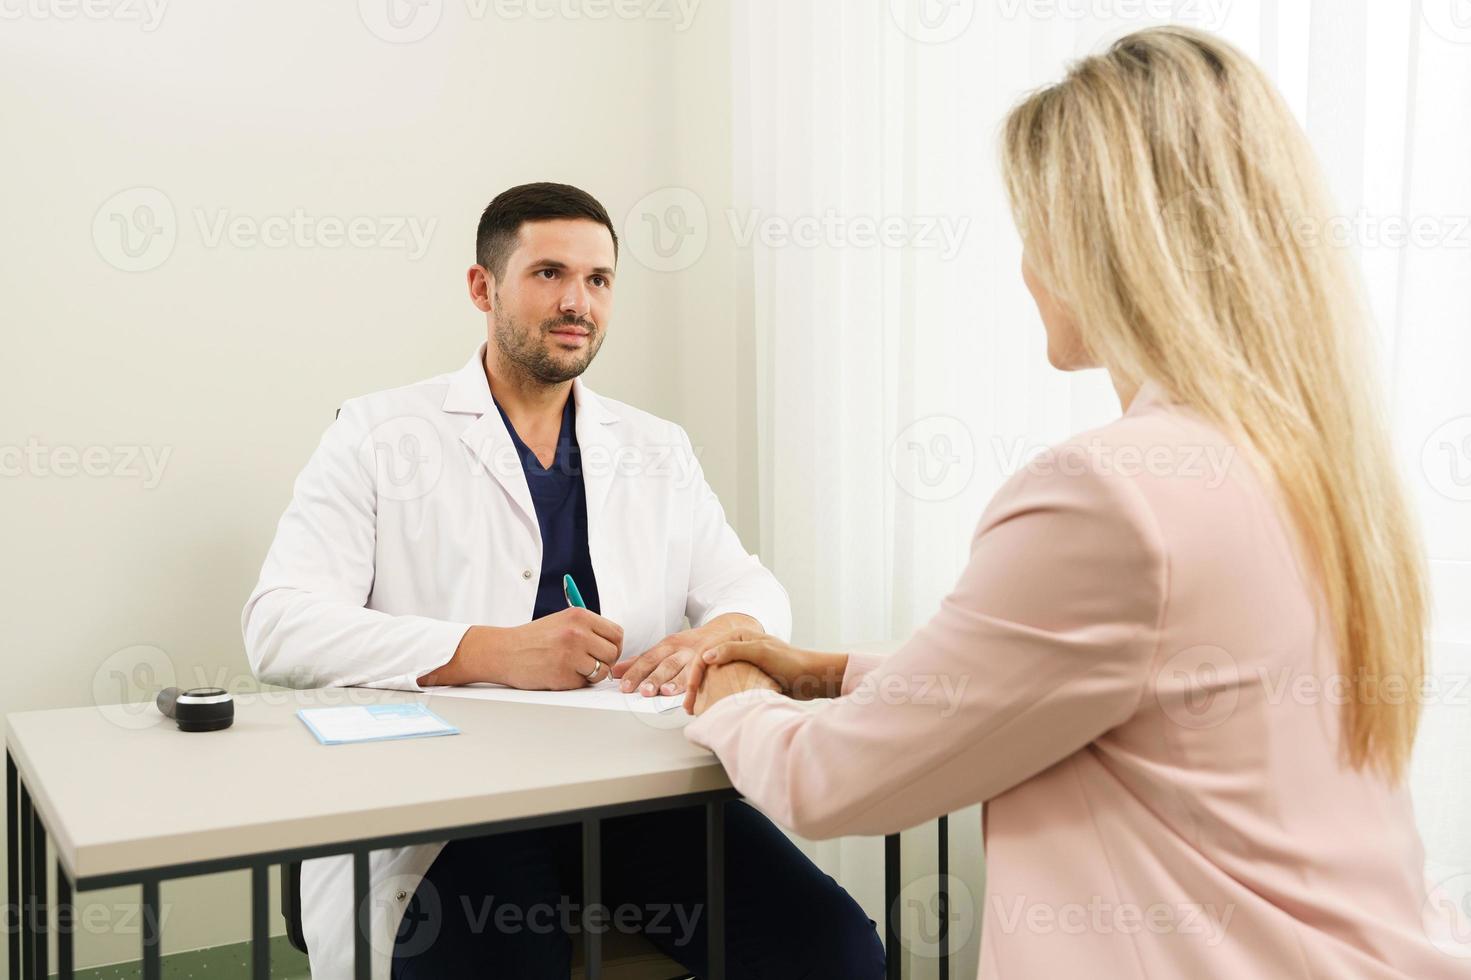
(1187, 701)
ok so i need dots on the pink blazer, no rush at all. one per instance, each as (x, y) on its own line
(1131, 675)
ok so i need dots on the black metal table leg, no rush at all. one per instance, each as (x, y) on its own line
(892, 959)
(592, 897)
(361, 956)
(944, 899)
(66, 918)
(41, 913)
(29, 870)
(27, 893)
(260, 931)
(715, 889)
(152, 932)
(12, 863)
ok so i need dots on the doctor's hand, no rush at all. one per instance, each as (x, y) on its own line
(801, 674)
(565, 651)
(664, 668)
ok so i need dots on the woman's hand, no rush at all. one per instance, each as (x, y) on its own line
(801, 674)
(725, 680)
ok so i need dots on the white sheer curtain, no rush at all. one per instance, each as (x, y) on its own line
(900, 371)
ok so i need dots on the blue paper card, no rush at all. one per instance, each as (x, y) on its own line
(373, 723)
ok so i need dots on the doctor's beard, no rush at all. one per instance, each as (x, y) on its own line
(527, 347)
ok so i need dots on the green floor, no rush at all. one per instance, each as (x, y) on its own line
(219, 962)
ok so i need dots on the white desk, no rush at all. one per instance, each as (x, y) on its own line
(123, 801)
(123, 804)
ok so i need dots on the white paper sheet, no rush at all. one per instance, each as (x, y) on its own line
(604, 695)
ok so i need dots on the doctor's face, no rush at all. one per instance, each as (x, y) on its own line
(550, 310)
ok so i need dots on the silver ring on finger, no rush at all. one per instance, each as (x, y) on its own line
(592, 675)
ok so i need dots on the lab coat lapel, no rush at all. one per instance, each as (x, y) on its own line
(597, 443)
(486, 438)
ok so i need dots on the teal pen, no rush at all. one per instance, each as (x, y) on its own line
(574, 598)
(569, 589)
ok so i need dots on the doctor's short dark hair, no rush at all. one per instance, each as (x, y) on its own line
(501, 221)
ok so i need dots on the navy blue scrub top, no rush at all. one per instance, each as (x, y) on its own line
(560, 500)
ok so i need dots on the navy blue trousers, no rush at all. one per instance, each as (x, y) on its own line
(506, 905)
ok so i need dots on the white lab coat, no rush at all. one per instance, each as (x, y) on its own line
(412, 521)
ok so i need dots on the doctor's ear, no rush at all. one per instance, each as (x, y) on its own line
(482, 288)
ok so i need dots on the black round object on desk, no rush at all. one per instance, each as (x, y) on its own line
(199, 709)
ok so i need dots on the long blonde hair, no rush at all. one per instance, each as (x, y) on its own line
(1165, 188)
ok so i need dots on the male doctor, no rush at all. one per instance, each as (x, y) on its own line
(426, 543)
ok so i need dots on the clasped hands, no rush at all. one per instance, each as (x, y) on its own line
(708, 663)
(727, 656)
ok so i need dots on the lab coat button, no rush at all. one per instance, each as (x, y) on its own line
(526, 573)
(401, 896)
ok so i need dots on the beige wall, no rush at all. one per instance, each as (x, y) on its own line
(229, 356)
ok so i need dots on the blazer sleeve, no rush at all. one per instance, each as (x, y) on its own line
(306, 624)
(1045, 643)
(724, 577)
